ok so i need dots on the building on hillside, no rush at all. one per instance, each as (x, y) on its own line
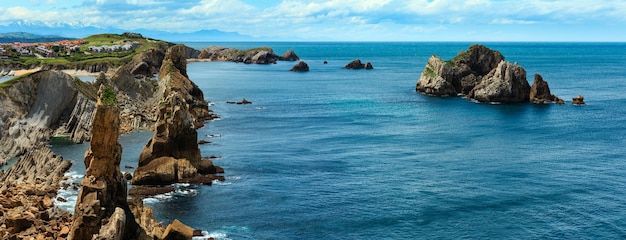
(45, 51)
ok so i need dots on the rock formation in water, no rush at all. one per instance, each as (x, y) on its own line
(255, 55)
(172, 154)
(102, 211)
(27, 209)
(357, 64)
(32, 111)
(506, 84)
(578, 100)
(480, 73)
(459, 75)
(289, 55)
(300, 67)
(437, 78)
(540, 92)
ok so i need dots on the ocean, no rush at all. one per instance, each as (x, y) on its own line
(358, 154)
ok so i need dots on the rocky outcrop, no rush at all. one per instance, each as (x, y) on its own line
(289, 55)
(483, 75)
(172, 154)
(32, 111)
(102, 198)
(462, 73)
(578, 100)
(242, 102)
(505, 84)
(147, 63)
(28, 187)
(437, 78)
(300, 67)
(540, 92)
(357, 64)
(262, 55)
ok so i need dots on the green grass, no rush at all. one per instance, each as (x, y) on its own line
(108, 97)
(430, 72)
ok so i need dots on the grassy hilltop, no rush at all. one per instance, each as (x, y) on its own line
(84, 56)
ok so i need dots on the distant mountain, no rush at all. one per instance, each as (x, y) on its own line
(81, 31)
(28, 37)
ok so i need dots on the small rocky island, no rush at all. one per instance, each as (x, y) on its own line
(482, 74)
(357, 64)
(262, 55)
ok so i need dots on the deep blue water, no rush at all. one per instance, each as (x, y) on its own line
(356, 154)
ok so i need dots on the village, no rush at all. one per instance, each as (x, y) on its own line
(57, 49)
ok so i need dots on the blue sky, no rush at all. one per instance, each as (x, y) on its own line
(341, 20)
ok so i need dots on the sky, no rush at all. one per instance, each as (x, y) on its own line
(341, 20)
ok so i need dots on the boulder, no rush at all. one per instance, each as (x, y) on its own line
(289, 55)
(177, 231)
(505, 84)
(300, 67)
(578, 100)
(540, 92)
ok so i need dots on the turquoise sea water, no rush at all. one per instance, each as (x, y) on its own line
(357, 154)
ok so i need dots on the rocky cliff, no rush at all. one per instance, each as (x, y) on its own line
(33, 111)
(172, 154)
(480, 73)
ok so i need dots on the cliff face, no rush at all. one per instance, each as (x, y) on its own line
(172, 155)
(506, 83)
(33, 108)
(102, 197)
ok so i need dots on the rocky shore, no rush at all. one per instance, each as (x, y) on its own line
(128, 100)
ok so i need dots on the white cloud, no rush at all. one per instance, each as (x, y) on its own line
(506, 21)
(321, 18)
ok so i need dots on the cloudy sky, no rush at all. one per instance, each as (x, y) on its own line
(342, 20)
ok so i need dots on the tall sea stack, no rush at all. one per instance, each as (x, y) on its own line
(172, 154)
(102, 211)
